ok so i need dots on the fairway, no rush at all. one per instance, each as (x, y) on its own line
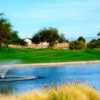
(26, 55)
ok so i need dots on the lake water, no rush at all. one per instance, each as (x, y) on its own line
(51, 76)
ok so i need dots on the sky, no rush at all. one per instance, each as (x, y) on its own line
(72, 18)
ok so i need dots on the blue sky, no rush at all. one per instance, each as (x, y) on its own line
(72, 17)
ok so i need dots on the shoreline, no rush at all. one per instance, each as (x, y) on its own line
(58, 64)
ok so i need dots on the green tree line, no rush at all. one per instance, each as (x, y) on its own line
(50, 35)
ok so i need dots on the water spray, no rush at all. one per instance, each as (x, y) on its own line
(5, 67)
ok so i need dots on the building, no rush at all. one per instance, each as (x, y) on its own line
(63, 45)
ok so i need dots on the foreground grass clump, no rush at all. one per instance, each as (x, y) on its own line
(26, 55)
(65, 92)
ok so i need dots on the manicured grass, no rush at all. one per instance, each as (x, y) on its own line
(65, 92)
(48, 55)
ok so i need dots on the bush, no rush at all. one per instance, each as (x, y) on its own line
(80, 43)
(95, 43)
(77, 45)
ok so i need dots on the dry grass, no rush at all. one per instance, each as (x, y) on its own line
(65, 92)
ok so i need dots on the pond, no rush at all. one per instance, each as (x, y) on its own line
(51, 76)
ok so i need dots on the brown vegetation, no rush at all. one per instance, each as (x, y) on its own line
(65, 92)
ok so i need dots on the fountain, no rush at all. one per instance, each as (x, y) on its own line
(5, 67)
(3, 70)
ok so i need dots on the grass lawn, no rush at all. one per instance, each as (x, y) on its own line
(48, 55)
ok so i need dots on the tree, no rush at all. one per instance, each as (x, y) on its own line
(78, 44)
(81, 39)
(98, 34)
(62, 38)
(49, 35)
(14, 38)
(6, 32)
(95, 43)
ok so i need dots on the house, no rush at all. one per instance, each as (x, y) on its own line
(28, 41)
